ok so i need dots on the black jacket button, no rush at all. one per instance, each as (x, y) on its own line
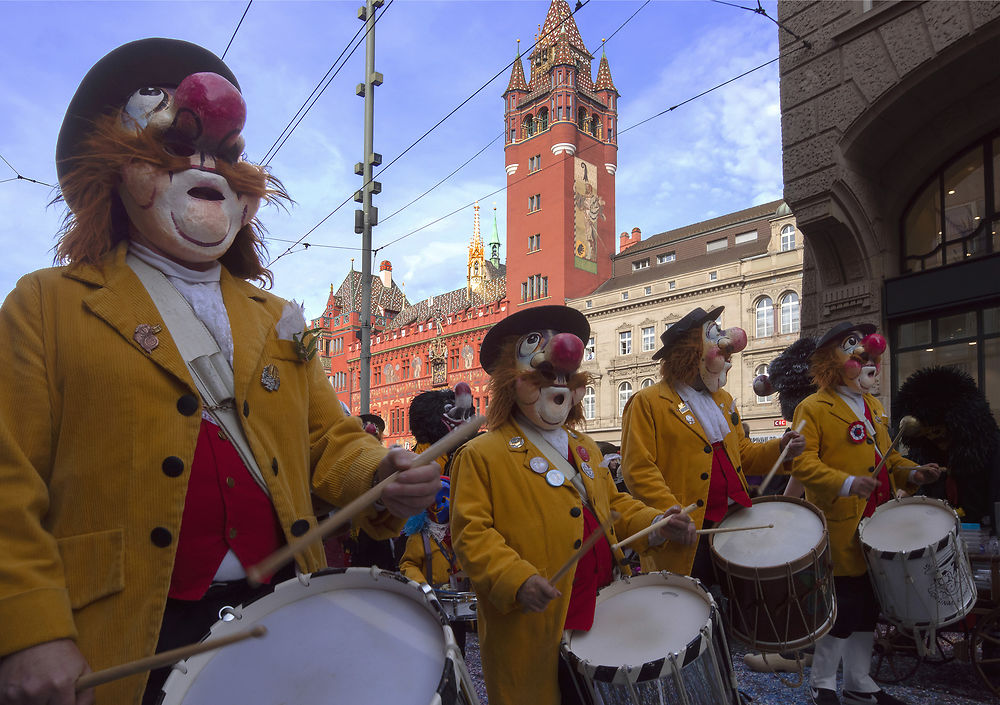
(575, 512)
(172, 466)
(187, 404)
(735, 418)
(869, 441)
(871, 469)
(577, 543)
(299, 527)
(160, 537)
(246, 408)
(704, 476)
(274, 465)
(708, 449)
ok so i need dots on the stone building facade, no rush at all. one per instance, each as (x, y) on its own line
(749, 261)
(891, 144)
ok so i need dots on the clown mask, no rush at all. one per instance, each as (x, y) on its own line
(718, 347)
(190, 216)
(861, 357)
(546, 361)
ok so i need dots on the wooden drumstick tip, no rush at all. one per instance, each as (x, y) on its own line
(258, 632)
(909, 425)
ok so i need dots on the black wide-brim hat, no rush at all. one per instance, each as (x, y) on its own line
(112, 80)
(561, 319)
(841, 329)
(692, 319)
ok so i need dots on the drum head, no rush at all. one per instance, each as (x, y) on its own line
(902, 526)
(330, 642)
(643, 620)
(798, 529)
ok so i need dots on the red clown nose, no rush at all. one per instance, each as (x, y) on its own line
(564, 352)
(210, 111)
(874, 344)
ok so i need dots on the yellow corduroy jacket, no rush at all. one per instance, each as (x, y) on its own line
(667, 460)
(830, 456)
(89, 515)
(413, 563)
(508, 524)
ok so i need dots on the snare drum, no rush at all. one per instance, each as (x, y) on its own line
(330, 637)
(917, 563)
(656, 639)
(460, 606)
(779, 581)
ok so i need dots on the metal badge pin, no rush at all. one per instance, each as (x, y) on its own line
(585, 467)
(269, 378)
(555, 478)
(582, 452)
(538, 464)
(690, 419)
(145, 336)
(515, 442)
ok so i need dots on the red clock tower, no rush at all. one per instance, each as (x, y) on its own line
(561, 154)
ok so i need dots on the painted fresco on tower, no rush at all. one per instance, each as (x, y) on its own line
(588, 208)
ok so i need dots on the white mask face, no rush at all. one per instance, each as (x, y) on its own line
(556, 357)
(718, 349)
(861, 367)
(191, 216)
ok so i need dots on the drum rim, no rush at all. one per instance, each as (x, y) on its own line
(778, 572)
(918, 552)
(186, 672)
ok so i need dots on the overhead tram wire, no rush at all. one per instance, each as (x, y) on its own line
(582, 151)
(759, 10)
(321, 87)
(21, 177)
(238, 25)
(579, 6)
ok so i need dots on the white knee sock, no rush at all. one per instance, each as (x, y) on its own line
(858, 663)
(826, 662)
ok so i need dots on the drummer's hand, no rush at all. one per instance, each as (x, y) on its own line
(679, 528)
(414, 489)
(863, 486)
(794, 441)
(925, 474)
(44, 674)
(536, 593)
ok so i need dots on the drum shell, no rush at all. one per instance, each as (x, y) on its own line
(458, 606)
(781, 607)
(927, 587)
(700, 673)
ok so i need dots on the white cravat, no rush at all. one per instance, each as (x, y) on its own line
(706, 410)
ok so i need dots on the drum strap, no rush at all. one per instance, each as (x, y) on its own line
(553, 456)
(209, 368)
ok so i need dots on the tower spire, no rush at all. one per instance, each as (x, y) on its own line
(495, 241)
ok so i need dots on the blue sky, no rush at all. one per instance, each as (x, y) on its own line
(717, 154)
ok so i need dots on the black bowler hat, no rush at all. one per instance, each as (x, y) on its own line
(123, 71)
(690, 320)
(561, 319)
(375, 419)
(841, 329)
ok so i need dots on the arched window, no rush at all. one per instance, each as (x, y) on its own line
(646, 383)
(762, 370)
(787, 238)
(764, 326)
(624, 392)
(589, 404)
(581, 118)
(529, 125)
(543, 119)
(789, 313)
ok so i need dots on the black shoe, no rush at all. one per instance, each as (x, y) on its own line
(824, 696)
(879, 697)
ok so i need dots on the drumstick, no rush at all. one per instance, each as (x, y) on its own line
(165, 658)
(781, 458)
(255, 575)
(907, 423)
(656, 525)
(727, 529)
(588, 543)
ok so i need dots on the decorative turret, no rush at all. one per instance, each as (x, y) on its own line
(495, 241)
(477, 264)
(604, 82)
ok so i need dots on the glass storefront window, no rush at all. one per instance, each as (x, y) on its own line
(964, 204)
(960, 355)
(922, 229)
(916, 333)
(962, 325)
(991, 320)
(991, 386)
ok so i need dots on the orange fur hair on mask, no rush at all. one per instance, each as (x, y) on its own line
(826, 367)
(97, 221)
(503, 395)
(681, 362)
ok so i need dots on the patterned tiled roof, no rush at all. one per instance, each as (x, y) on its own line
(517, 82)
(558, 38)
(384, 300)
(458, 300)
(604, 82)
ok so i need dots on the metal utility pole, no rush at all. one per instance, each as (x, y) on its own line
(366, 217)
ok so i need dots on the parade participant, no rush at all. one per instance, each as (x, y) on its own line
(846, 433)
(129, 503)
(525, 496)
(435, 413)
(957, 430)
(683, 440)
(373, 424)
